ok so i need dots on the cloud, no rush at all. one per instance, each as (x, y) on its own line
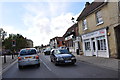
(43, 29)
(11, 29)
(42, 24)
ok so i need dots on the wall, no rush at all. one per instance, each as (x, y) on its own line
(110, 17)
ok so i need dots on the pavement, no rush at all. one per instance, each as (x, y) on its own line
(9, 62)
(109, 63)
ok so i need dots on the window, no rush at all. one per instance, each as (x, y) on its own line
(84, 24)
(101, 42)
(99, 18)
(87, 45)
(28, 52)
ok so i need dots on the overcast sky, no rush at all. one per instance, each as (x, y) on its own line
(39, 21)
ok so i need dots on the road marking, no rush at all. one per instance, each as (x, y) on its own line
(45, 65)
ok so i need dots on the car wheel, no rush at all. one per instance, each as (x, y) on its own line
(51, 60)
(56, 64)
(38, 65)
(20, 67)
(73, 63)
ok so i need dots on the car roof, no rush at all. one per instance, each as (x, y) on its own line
(27, 48)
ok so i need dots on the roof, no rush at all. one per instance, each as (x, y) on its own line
(70, 30)
(57, 38)
(90, 9)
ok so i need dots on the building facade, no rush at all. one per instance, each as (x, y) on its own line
(56, 42)
(29, 43)
(99, 29)
(72, 38)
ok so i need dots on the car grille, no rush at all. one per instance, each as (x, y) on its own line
(67, 58)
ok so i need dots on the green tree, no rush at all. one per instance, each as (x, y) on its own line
(20, 42)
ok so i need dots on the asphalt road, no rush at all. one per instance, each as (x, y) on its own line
(48, 70)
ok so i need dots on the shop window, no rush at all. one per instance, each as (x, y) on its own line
(101, 43)
(87, 45)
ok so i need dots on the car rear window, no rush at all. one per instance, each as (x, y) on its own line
(28, 52)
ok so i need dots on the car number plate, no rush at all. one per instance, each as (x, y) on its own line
(27, 57)
(67, 61)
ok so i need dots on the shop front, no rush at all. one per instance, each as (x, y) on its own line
(96, 44)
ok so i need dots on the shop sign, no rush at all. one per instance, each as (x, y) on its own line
(94, 34)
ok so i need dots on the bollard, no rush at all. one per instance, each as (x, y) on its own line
(4, 58)
(12, 56)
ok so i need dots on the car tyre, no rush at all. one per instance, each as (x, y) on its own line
(73, 63)
(56, 64)
(51, 60)
(20, 67)
(38, 65)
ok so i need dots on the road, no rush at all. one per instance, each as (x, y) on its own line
(48, 70)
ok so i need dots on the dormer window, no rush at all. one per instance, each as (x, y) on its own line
(84, 24)
(99, 18)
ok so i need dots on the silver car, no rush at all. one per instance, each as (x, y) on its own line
(28, 56)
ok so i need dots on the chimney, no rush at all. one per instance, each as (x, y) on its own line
(87, 4)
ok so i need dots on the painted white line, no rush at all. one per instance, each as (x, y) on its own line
(45, 65)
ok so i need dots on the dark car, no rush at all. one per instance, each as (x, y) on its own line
(47, 51)
(62, 56)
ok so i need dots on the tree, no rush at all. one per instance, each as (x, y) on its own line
(15, 42)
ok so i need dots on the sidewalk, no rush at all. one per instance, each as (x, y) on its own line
(9, 61)
(109, 63)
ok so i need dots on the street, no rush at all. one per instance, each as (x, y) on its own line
(48, 70)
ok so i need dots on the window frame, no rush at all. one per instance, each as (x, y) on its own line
(87, 45)
(99, 18)
(102, 43)
(84, 24)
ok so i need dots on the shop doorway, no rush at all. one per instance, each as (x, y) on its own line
(93, 47)
(117, 32)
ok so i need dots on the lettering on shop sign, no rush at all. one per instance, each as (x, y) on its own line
(102, 32)
(90, 34)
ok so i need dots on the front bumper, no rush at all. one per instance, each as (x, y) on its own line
(66, 61)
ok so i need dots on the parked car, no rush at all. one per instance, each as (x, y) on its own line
(28, 56)
(62, 56)
(47, 51)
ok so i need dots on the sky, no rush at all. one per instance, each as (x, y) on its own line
(39, 21)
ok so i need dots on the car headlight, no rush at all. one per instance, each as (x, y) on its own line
(59, 58)
(73, 58)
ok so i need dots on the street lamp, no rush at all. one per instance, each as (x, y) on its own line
(73, 19)
(2, 34)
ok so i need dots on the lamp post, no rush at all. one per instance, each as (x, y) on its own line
(2, 36)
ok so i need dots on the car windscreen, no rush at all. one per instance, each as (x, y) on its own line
(64, 51)
(28, 52)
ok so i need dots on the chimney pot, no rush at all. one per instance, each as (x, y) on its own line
(87, 4)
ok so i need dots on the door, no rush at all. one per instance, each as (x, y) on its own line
(93, 47)
(117, 32)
